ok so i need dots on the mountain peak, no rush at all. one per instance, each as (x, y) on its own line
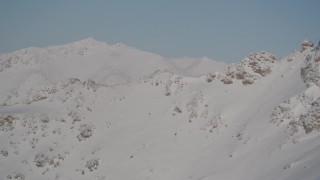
(79, 47)
(86, 42)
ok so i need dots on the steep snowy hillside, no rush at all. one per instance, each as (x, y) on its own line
(63, 118)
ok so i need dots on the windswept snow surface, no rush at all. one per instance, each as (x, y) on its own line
(89, 110)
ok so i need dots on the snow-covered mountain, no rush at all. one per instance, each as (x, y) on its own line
(89, 110)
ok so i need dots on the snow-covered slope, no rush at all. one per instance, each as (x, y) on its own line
(63, 118)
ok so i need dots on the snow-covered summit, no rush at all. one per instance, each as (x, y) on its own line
(89, 110)
(78, 47)
(108, 64)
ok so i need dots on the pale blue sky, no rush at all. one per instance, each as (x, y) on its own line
(225, 30)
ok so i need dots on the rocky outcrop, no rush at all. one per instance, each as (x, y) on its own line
(311, 119)
(7, 122)
(62, 91)
(255, 66)
(305, 45)
(310, 73)
(300, 113)
(248, 70)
